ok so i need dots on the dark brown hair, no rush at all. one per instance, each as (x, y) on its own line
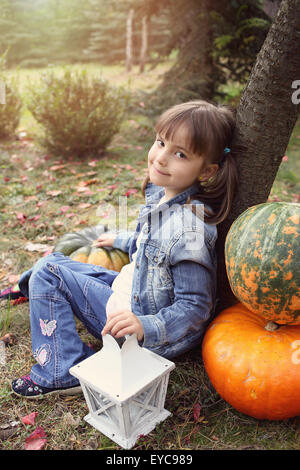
(210, 129)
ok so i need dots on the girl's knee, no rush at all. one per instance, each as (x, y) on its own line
(52, 258)
(43, 275)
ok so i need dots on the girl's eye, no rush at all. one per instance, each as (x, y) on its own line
(180, 155)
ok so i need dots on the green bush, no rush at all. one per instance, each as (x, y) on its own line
(79, 114)
(10, 103)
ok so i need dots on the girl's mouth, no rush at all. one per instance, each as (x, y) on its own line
(160, 172)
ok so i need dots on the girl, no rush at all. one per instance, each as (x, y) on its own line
(166, 295)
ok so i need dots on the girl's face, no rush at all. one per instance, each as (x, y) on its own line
(172, 165)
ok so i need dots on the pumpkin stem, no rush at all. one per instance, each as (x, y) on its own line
(271, 326)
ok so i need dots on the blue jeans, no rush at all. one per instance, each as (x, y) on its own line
(58, 288)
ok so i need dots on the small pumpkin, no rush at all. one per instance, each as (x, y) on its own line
(254, 364)
(78, 245)
(262, 252)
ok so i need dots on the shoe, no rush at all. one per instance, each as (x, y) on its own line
(25, 387)
(11, 293)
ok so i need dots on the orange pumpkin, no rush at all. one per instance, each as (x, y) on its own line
(254, 364)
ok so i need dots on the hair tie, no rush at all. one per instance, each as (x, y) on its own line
(225, 151)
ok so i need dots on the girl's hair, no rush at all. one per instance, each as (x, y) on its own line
(210, 129)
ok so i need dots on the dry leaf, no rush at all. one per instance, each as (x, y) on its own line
(30, 419)
(131, 191)
(64, 209)
(196, 411)
(57, 167)
(53, 193)
(71, 421)
(41, 248)
(36, 440)
(8, 339)
(88, 182)
(13, 278)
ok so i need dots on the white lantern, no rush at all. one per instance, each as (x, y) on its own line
(125, 389)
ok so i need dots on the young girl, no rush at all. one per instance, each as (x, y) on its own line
(166, 294)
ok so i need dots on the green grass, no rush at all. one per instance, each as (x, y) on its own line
(31, 212)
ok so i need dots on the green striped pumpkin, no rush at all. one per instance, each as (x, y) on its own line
(78, 245)
(262, 255)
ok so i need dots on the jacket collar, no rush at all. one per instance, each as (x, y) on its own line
(154, 193)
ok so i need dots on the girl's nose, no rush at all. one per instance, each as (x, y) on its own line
(162, 156)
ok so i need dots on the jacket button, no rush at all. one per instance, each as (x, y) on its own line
(136, 298)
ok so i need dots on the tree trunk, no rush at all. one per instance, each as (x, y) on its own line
(2, 92)
(129, 40)
(193, 75)
(266, 117)
(144, 44)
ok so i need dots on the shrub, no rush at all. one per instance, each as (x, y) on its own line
(79, 114)
(10, 103)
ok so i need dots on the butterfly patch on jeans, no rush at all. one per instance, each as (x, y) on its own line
(47, 327)
(43, 354)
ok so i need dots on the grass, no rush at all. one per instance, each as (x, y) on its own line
(34, 189)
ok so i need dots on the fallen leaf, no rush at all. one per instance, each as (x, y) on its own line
(82, 189)
(57, 167)
(21, 217)
(20, 300)
(196, 411)
(86, 192)
(69, 420)
(53, 193)
(131, 191)
(88, 182)
(64, 209)
(41, 248)
(30, 419)
(36, 440)
(8, 339)
(7, 433)
(84, 205)
(13, 278)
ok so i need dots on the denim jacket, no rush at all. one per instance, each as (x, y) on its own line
(174, 281)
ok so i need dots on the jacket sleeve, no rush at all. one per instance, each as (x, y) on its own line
(123, 240)
(193, 304)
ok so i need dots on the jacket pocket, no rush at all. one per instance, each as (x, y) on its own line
(160, 286)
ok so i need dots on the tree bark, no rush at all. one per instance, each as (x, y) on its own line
(266, 117)
(129, 40)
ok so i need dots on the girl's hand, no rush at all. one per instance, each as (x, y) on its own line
(123, 323)
(105, 240)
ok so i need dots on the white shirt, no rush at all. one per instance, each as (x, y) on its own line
(122, 285)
